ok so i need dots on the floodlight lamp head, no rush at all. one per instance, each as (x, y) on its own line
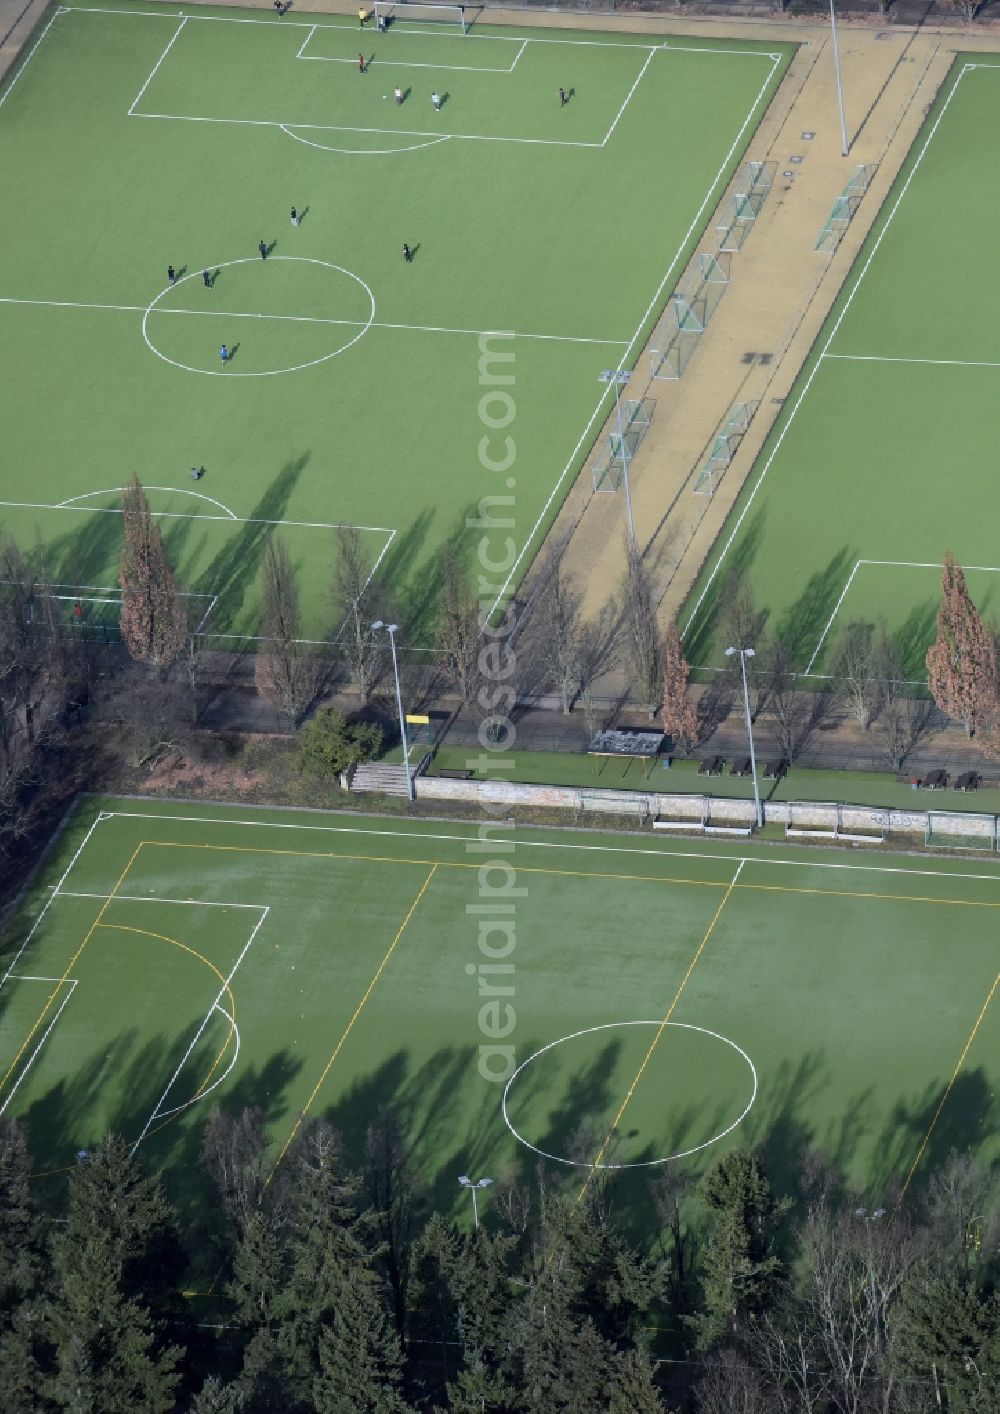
(465, 1180)
(485, 1182)
(392, 628)
(860, 1212)
(378, 624)
(749, 652)
(731, 651)
(879, 1213)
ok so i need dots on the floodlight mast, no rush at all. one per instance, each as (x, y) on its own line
(619, 377)
(392, 630)
(467, 1182)
(746, 653)
(845, 146)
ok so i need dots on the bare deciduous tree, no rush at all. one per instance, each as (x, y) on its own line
(902, 720)
(788, 709)
(855, 670)
(642, 636)
(459, 638)
(234, 1155)
(285, 672)
(557, 636)
(365, 652)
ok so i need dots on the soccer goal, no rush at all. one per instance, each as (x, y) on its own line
(960, 829)
(433, 11)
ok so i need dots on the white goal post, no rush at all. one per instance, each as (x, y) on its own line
(432, 10)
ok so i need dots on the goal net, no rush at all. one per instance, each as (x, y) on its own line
(394, 11)
(960, 829)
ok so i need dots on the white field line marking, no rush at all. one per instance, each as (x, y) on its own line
(934, 362)
(890, 564)
(417, 835)
(298, 319)
(829, 622)
(364, 589)
(201, 1095)
(826, 347)
(35, 1053)
(10, 87)
(517, 56)
(305, 42)
(628, 97)
(149, 898)
(179, 490)
(198, 1034)
(603, 399)
(204, 618)
(344, 128)
(173, 39)
(23, 977)
(406, 64)
(107, 588)
(362, 151)
(397, 29)
(181, 515)
(102, 815)
(745, 53)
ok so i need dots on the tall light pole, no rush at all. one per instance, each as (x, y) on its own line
(392, 630)
(619, 377)
(746, 653)
(467, 1182)
(845, 146)
(868, 1218)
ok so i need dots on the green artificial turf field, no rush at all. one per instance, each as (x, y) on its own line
(170, 957)
(135, 139)
(880, 463)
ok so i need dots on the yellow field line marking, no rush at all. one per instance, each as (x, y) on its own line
(436, 863)
(146, 932)
(944, 1098)
(579, 874)
(853, 893)
(350, 1025)
(70, 965)
(660, 1030)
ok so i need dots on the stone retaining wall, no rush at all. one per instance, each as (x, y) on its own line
(826, 816)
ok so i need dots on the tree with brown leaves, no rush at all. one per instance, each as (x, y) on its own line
(153, 614)
(680, 715)
(962, 661)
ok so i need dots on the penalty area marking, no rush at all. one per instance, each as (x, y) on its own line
(263, 372)
(645, 1163)
(117, 490)
(362, 151)
(887, 564)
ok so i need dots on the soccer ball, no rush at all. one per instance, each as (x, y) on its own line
(384, 97)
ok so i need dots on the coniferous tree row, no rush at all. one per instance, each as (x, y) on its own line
(339, 1290)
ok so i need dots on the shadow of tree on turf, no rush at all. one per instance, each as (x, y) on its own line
(803, 622)
(234, 570)
(914, 637)
(969, 1117)
(89, 553)
(699, 642)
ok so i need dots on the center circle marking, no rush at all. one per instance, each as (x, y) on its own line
(151, 308)
(645, 1163)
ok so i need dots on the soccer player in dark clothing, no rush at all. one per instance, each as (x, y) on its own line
(563, 98)
(206, 277)
(407, 253)
(171, 274)
(262, 247)
(361, 63)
